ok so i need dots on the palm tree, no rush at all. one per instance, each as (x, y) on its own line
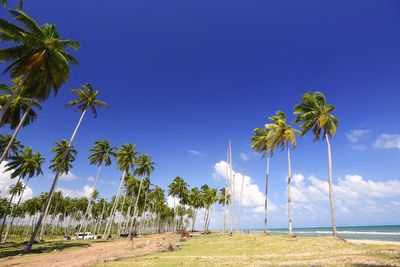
(178, 189)
(281, 134)
(20, 105)
(195, 201)
(259, 142)
(24, 165)
(209, 197)
(316, 114)
(126, 158)
(101, 154)
(14, 148)
(39, 60)
(14, 189)
(61, 164)
(144, 168)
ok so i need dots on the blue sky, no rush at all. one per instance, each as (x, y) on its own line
(184, 76)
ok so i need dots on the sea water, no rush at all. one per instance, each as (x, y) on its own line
(383, 233)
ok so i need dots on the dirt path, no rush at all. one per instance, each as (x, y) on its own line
(96, 253)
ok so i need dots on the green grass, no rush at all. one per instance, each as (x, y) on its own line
(261, 250)
(16, 247)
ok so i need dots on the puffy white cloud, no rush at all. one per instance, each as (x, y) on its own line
(387, 141)
(196, 153)
(251, 196)
(6, 182)
(356, 135)
(85, 192)
(354, 197)
(68, 177)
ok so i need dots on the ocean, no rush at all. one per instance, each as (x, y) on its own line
(383, 233)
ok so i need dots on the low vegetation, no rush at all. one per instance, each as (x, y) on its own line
(273, 250)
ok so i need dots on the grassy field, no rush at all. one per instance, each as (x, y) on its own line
(261, 250)
(16, 247)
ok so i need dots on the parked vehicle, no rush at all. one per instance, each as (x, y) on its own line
(85, 236)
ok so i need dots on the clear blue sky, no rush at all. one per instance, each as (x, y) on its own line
(188, 75)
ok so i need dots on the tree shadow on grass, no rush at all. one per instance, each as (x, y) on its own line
(14, 249)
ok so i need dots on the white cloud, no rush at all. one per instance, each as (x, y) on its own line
(359, 147)
(196, 153)
(354, 196)
(387, 141)
(356, 135)
(6, 182)
(68, 177)
(244, 156)
(90, 179)
(86, 192)
(252, 196)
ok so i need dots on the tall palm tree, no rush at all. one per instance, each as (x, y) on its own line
(144, 168)
(282, 135)
(19, 106)
(259, 142)
(86, 100)
(209, 197)
(314, 113)
(14, 148)
(126, 158)
(195, 201)
(178, 189)
(39, 58)
(14, 189)
(101, 154)
(24, 165)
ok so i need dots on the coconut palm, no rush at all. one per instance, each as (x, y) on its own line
(24, 165)
(195, 201)
(259, 142)
(178, 189)
(144, 168)
(14, 189)
(101, 154)
(281, 134)
(126, 158)
(19, 106)
(209, 197)
(39, 59)
(14, 148)
(316, 115)
(86, 100)
(61, 164)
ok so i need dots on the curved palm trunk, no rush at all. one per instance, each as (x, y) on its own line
(8, 209)
(89, 207)
(43, 215)
(330, 186)
(289, 193)
(114, 207)
(136, 204)
(13, 95)
(16, 131)
(12, 213)
(266, 198)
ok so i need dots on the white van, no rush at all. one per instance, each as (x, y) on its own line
(85, 236)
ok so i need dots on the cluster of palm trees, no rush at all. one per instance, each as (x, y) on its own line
(313, 113)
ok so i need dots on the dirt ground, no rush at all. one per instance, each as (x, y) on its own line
(96, 253)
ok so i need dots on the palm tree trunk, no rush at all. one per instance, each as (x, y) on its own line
(114, 207)
(330, 186)
(12, 212)
(194, 219)
(240, 202)
(266, 199)
(89, 207)
(43, 215)
(16, 131)
(289, 193)
(226, 189)
(136, 204)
